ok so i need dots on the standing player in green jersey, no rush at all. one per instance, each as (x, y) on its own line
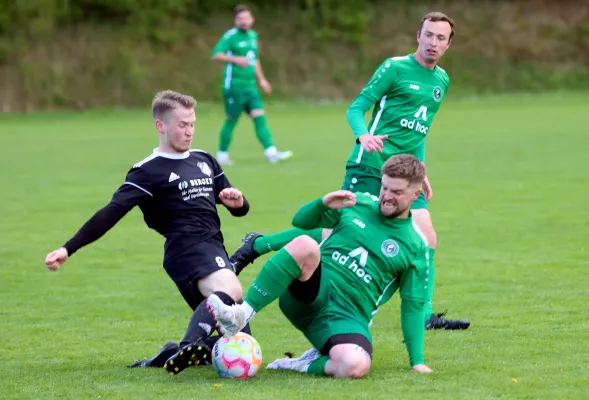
(331, 293)
(406, 92)
(238, 51)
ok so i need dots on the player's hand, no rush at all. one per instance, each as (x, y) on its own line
(427, 189)
(56, 258)
(231, 197)
(240, 61)
(372, 143)
(339, 199)
(265, 85)
(421, 368)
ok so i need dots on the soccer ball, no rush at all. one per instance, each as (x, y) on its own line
(237, 357)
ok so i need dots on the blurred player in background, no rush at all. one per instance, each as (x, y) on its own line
(405, 92)
(331, 292)
(177, 190)
(238, 51)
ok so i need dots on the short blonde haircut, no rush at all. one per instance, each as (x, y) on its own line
(405, 166)
(168, 100)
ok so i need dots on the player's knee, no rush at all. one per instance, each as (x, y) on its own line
(424, 222)
(234, 291)
(305, 250)
(256, 113)
(431, 237)
(354, 366)
(349, 362)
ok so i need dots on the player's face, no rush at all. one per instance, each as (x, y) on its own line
(244, 20)
(434, 40)
(178, 129)
(396, 196)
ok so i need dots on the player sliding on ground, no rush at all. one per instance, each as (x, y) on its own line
(405, 93)
(331, 292)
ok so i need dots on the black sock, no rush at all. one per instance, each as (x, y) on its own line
(203, 323)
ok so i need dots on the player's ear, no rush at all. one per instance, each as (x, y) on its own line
(159, 125)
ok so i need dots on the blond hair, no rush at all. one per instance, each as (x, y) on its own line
(168, 100)
(435, 17)
(405, 166)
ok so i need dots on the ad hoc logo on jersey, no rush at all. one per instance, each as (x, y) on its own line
(416, 124)
(389, 248)
(358, 258)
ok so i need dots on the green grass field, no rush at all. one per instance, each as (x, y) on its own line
(510, 208)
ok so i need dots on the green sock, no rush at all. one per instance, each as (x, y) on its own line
(429, 309)
(226, 134)
(276, 241)
(317, 367)
(262, 132)
(272, 280)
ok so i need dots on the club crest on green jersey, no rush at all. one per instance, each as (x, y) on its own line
(437, 93)
(389, 248)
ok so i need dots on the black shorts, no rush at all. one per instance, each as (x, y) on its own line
(187, 263)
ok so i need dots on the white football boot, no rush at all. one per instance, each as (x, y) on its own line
(273, 155)
(300, 364)
(231, 319)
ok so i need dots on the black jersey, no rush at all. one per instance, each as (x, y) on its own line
(178, 195)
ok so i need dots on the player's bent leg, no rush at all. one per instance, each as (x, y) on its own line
(423, 220)
(297, 260)
(223, 280)
(254, 244)
(349, 356)
(348, 361)
(194, 347)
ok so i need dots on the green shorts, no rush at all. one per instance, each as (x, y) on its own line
(323, 317)
(360, 178)
(237, 100)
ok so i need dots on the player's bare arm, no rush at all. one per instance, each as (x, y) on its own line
(262, 81)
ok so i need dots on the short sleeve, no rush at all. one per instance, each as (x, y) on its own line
(414, 281)
(220, 179)
(223, 45)
(137, 187)
(381, 82)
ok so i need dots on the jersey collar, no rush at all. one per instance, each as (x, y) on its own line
(172, 156)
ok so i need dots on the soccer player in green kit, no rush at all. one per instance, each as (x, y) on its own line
(238, 51)
(331, 292)
(406, 92)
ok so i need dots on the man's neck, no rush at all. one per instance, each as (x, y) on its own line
(168, 150)
(421, 61)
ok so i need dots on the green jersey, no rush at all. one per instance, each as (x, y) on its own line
(405, 96)
(236, 42)
(368, 256)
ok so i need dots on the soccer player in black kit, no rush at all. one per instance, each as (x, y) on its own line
(177, 189)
